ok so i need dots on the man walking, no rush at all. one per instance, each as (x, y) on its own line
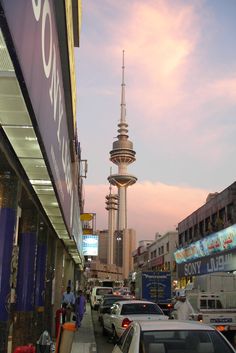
(68, 302)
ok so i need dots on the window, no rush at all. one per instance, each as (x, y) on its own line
(128, 340)
(139, 308)
(195, 231)
(230, 209)
(186, 236)
(201, 228)
(213, 221)
(207, 224)
(123, 337)
(167, 247)
(184, 341)
(190, 233)
(181, 239)
(203, 304)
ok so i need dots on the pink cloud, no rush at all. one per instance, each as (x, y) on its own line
(152, 207)
(159, 39)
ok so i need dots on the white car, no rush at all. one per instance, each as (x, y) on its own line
(97, 294)
(124, 312)
(172, 336)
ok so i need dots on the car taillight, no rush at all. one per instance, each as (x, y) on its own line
(125, 323)
(199, 318)
(169, 306)
(220, 328)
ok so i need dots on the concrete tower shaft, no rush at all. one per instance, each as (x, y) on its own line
(122, 155)
(111, 207)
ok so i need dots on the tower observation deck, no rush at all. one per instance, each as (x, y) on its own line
(122, 154)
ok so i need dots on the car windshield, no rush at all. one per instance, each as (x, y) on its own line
(140, 308)
(110, 301)
(183, 341)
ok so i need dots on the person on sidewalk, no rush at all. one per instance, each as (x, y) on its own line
(80, 307)
(68, 302)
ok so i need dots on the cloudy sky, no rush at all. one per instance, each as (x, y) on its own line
(180, 75)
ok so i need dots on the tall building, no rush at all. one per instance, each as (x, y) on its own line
(122, 154)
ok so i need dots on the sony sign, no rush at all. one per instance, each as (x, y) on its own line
(43, 15)
(222, 262)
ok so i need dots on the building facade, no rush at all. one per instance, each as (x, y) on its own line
(40, 183)
(207, 237)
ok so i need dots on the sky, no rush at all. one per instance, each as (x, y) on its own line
(180, 76)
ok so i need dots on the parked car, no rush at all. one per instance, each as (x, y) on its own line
(172, 336)
(106, 304)
(124, 312)
(96, 295)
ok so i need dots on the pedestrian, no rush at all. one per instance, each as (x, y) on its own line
(68, 302)
(88, 294)
(183, 307)
(80, 308)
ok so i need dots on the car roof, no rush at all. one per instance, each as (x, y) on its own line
(147, 325)
(136, 302)
(118, 297)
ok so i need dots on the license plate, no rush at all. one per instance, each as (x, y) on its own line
(221, 320)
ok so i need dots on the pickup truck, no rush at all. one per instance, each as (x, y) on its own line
(213, 309)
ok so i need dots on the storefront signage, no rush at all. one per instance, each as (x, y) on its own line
(217, 242)
(216, 263)
(90, 245)
(36, 46)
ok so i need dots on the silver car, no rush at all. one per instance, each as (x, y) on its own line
(172, 336)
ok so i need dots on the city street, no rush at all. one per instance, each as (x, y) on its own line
(103, 344)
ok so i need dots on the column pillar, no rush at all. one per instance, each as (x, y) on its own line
(8, 205)
(25, 321)
(40, 284)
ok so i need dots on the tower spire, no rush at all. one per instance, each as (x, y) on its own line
(123, 105)
(122, 154)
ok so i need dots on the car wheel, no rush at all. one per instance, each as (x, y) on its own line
(114, 335)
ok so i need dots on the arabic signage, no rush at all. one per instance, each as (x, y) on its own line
(224, 262)
(218, 242)
(90, 245)
(36, 46)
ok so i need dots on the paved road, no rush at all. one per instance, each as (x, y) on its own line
(103, 344)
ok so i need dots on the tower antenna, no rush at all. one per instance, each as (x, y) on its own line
(123, 105)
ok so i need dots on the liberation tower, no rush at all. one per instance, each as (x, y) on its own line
(122, 155)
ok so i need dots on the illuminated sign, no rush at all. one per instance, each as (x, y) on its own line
(37, 51)
(224, 262)
(90, 245)
(215, 243)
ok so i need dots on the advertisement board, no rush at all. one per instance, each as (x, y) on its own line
(221, 262)
(36, 48)
(218, 242)
(90, 245)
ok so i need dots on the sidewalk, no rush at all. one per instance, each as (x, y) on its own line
(84, 340)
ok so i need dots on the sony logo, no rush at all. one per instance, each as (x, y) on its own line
(43, 15)
(219, 263)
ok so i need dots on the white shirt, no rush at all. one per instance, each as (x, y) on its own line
(183, 309)
(68, 298)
